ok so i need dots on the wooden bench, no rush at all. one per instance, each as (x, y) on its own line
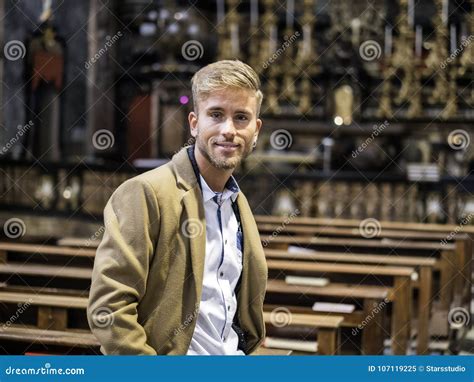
(41, 249)
(52, 309)
(445, 255)
(400, 277)
(461, 236)
(46, 270)
(46, 266)
(269, 351)
(328, 336)
(369, 297)
(423, 266)
(69, 339)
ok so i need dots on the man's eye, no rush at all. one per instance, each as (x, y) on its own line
(242, 117)
(215, 115)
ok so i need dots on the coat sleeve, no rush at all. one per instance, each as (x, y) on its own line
(119, 277)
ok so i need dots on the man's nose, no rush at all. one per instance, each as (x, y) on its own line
(228, 128)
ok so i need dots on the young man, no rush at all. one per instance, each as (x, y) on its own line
(180, 269)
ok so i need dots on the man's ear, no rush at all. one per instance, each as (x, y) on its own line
(193, 120)
(257, 130)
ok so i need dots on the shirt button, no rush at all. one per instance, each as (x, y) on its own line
(221, 274)
(225, 339)
(228, 307)
(225, 241)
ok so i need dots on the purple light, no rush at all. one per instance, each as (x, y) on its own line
(183, 100)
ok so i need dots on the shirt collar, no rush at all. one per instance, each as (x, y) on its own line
(231, 190)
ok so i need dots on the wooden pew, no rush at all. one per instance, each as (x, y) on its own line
(461, 236)
(423, 266)
(328, 335)
(59, 338)
(369, 297)
(39, 277)
(401, 283)
(46, 267)
(445, 255)
(52, 309)
(268, 351)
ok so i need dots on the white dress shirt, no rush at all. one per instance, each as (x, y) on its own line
(213, 333)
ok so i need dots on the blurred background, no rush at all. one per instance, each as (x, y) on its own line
(367, 109)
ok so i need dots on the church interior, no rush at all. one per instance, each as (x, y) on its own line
(361, 183)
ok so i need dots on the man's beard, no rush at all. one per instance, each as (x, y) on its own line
(222, 164)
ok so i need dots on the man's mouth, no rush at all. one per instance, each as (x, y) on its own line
(227, 144)
(227, 148)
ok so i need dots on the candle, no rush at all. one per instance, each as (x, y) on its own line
(452, 39)
(444, 13)
(463, 32)
(234, 38)
(388, 41)
(290, 13)
(355, 26)
(411, 13)
(220, 11)
(418, 40)
(254, 13)
(306, 39)
(273, 40)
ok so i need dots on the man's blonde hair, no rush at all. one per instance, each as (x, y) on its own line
(224, 74)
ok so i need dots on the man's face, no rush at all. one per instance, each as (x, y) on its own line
(226, 126)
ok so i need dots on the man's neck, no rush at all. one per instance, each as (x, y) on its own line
(215, 178)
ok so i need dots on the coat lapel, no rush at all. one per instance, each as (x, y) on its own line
(194, 227)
